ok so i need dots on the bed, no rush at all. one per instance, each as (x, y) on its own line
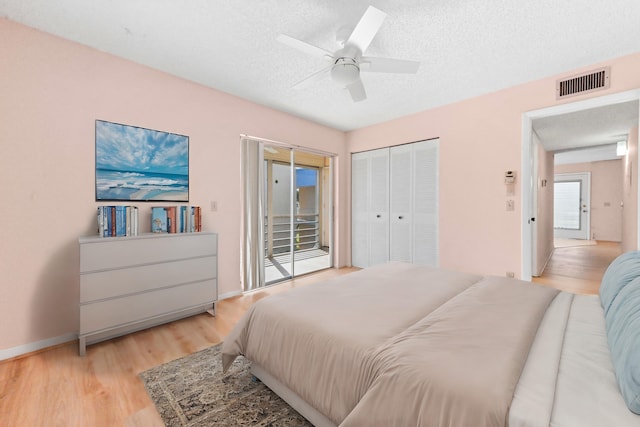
(401, 344)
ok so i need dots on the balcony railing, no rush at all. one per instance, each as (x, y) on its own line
(306, 233)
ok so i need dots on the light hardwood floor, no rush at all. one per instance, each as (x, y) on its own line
(579, 269)
(56, 387)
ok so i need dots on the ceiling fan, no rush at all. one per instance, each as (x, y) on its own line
(348, 61)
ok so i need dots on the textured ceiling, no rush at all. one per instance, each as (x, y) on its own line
(466, 47)
(596, 126)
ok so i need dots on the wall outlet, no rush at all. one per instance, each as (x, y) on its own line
(511, 274)
(214, 206)
(510, 205)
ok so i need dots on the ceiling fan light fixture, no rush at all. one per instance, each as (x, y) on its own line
(345, 71)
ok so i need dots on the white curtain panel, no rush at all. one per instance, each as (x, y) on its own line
(252, 257)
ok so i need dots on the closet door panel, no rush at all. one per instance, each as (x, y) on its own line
(425, 206)
(360, 241)
(379, 208)
(400, 237)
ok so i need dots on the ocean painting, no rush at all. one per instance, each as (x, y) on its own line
(134, 163)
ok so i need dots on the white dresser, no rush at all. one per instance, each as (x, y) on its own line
(132, 283)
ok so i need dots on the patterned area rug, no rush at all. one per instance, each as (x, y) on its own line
(193, 391)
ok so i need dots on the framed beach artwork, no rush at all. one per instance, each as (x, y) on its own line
(134, 163)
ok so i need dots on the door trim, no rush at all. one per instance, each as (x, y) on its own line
(527, 167)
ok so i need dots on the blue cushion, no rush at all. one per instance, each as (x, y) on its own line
(621, 271)
(623, 334)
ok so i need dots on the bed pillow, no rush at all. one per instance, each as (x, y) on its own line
(621, 271)
(623, 335)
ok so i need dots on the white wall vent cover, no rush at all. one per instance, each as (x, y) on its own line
(583, 83)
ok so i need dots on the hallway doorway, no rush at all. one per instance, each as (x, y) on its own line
(572, 126)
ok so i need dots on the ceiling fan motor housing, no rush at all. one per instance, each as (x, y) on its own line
(345, 71)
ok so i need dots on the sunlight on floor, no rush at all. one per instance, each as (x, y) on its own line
(306, 261)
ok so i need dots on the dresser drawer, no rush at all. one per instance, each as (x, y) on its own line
(116, 312)
(133, 280)
(123, 252)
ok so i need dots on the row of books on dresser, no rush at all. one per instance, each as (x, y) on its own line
(176, 219)
(117, 221)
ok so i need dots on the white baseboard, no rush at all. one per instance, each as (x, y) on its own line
(229, 295)
(50, 342)
(35, 346)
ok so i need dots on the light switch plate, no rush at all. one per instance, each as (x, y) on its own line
(510, 205)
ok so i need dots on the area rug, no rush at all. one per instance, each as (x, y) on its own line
(193, 391)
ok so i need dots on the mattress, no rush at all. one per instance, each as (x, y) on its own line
(331, 349)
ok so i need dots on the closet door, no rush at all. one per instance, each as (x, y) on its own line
(401, 218)
(394, 207)
(370, 208)
(360, 240)
(414, 203)
(379, 206)
(425, 202)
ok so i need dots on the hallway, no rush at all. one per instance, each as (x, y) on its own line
(579, 269)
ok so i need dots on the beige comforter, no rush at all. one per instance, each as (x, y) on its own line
(397, 344)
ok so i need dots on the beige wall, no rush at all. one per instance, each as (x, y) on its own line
(606, 197)
(51, 93)
(480, 139)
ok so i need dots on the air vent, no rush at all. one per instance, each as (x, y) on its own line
(583, 83)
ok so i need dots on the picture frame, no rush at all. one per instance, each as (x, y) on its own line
(139, 164)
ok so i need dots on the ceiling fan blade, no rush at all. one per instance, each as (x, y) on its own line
(356, 89)
(304, 47)
(366, 29)
(388, 65)
(318, 75)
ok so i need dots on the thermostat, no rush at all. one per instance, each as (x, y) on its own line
(510, 177)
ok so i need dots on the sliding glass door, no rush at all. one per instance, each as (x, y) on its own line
(279, 217)
(295, 205)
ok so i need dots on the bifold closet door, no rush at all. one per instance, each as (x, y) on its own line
(370, 208)
(395, 205)
(401, 215)
(359, 209)
(425, 203)
(413, 233)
